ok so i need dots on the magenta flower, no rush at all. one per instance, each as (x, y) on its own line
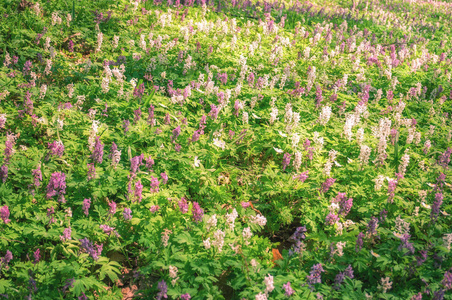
(288, 289)
(286, 160)
(154, 185)
(138, 191)
(66, 234)
(183, 205)
(246, 204)
(37, 256)
(154, 208)
(4, 214)
(197, 211)
(86, 206)
(37, 176)
(164, 177)
(56, 148)
(112, 209)
(57, 186)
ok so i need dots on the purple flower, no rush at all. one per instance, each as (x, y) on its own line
(94, 250)
(149, 163)
(183, 205)
(327, 184)
(176, 133)
(406, 244)
(139, 91)
(436, 206)
(315, 275)
(113, 148)
(342, 275)
(27, 67)
(66, 234)
(50, 213)
(185, 296)
(138, 191)
(108, 230)
(195, 136)
(37, 176)
(4, 172)
(299, 233)
(86, 206)
(246, 204)
(164, 177)
(163, 289)
(127, 214)
(372, 226)
(197, 211)
(83, 297)
(135, 163)
(392, 184)
(112, 209)
(167, 119)
(137, 114)
(421, 259)
(56, 148)
(4, 214)
(28, 103)
(302, 177)
(383, 215)
(98, 151)
(288, 289)
(447, 281)
(359, 242)
(70, 46)
(9, 144)
(154, 208)
(444, 159)
(331, 219)
(154, 185)
(418, 296)
(213, 111)
(57, 186)
(37, 256)
(126, 126)
(91, 171)
(286, 160)
(4, 261)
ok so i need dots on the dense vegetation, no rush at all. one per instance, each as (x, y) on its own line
(225, 149)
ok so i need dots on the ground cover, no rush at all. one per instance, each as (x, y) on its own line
(225, 150)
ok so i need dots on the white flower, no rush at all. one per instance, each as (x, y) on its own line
(206, 243)
(219, 143)
(269, 283)
(278, 150)
(196, 162)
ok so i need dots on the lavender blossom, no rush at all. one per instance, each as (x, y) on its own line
(286, 160)
(91, 171)
(66, 234)
(56, 148)
(4, 172)
(98, 151)
(327, 184)
(94, 250)
(436, 207)
(138, 191)
(37, 256)
(127, 214)
(57, 186)
(163, 289)
(154, 184)
(86, 206)
(164, 177)
(288, 289)
(183, 205)
(315, 276)
(198, 212)
(359, 242)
